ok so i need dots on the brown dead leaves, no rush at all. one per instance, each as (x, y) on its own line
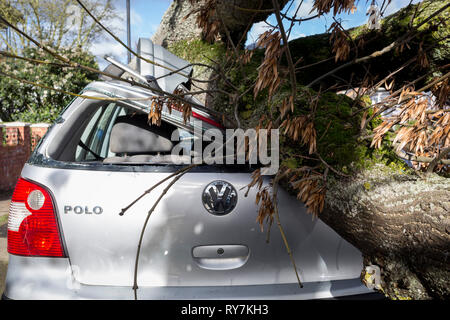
(301, 128)
(266, 208)
(246, 57)
(422, 58)
(341, 46)
(206, 18)
(180, 105)
(442, 91)
(338, 6)
(307, 183)
(268, 75)
(421, 127)
(172, 103)
(310, 190)
(263, 198)
(286, 106)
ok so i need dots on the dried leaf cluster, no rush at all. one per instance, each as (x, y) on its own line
(341, 46)
(420, 125)
(338, 6)
(301, 127)
(206, 18)
(154, 116)
(268, 76)
(310, 189)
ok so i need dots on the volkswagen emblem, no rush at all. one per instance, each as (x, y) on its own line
(219, 197)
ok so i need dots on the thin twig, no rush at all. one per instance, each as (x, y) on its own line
(277, 217)
(287, 51)
(331, 168)
(124, 210)
(135, 285)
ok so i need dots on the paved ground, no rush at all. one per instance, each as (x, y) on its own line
(4, 208)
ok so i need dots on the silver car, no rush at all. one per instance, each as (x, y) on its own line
(68, 238)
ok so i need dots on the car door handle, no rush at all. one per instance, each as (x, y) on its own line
(220, 257)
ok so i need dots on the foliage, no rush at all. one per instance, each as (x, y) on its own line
(325, 137)
(23, 102)
(59, 23)
(432, 40)
(10, 12)
(198, 51)
(337, 120)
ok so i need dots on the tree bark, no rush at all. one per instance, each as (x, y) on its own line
(175, 26)
(178, 24)
(400, 223)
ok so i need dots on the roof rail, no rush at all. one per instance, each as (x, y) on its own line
(149, 80)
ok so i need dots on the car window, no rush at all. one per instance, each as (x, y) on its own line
(105, 146)
(94, 142)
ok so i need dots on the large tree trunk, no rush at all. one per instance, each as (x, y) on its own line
(179, 24)
(400, 223)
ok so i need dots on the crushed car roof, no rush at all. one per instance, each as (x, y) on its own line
(132, 96)
(170, 73)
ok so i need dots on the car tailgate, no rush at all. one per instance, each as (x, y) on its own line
(184, 244)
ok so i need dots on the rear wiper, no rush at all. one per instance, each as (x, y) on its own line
(85, 147)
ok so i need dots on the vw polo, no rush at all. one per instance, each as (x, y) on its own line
(69, 237)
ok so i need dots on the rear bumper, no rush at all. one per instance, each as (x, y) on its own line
(51, 279)
(364, 296)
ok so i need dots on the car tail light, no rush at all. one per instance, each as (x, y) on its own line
(207, 120)
(32, 226)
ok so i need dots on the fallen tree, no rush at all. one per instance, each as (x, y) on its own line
(337, 154)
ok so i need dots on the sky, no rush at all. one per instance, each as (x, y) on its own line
(146, 16)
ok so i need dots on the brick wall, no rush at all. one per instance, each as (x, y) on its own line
(17, 141)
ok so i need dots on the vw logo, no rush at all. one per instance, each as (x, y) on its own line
(219, 197)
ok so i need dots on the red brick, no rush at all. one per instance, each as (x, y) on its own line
(20, 141)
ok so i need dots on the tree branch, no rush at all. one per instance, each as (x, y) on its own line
(77, 65)
(288, 51)
(135, 285)
(386, 49)
(438, 159)
(280, 227)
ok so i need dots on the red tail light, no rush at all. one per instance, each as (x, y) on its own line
(32, 226)
(207, 120)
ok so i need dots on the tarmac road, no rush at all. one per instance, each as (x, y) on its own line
(4, 208)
